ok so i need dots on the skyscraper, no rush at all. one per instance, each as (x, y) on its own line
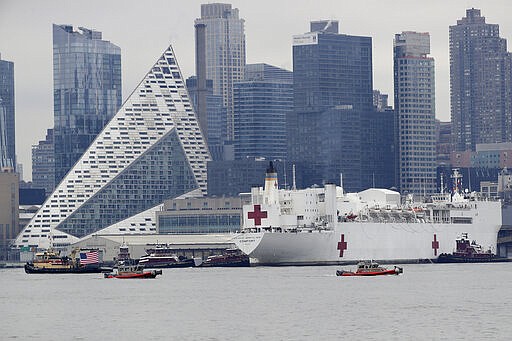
(214, 112)
(262, 102)
(9, 210)
(151, 150)
(329, 131)
(225, 52)
(87, 91)
(7, 117)
(480, 79)
(43, 165)
(415, 112)
(380, 101)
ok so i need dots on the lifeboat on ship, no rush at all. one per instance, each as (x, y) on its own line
(370, 268)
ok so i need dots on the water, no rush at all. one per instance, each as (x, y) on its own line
(427, 302)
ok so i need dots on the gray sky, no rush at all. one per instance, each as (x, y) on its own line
(143, 29)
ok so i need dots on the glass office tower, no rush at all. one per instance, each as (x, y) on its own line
(216, 116)
(225, 52)
(43, 166)
(329, 131)
(262, 102)
(7, 117)
(86, 94)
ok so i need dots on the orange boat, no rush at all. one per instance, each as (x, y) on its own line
(370, 268)
(132, 271)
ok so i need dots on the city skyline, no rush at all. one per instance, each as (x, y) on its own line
(173, 23)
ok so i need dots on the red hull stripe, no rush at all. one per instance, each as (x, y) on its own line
(378, 273)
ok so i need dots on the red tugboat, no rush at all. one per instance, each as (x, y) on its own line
(370, 268)
(230, 258)
(132, 271)
(469, 252)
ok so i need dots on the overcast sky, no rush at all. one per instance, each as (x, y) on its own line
(144, 29)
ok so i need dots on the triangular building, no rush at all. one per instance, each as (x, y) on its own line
(152, 150)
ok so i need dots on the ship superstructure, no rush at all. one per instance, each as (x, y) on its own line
(328, 226)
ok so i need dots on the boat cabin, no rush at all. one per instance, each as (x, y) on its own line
(127, 268)
(368, 266)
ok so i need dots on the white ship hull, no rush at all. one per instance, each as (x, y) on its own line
(378, 241)
(328, 226)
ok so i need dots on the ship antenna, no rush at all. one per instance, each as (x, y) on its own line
(50, 240)
(285, 183)
(293, 178)
(442, 189)
(469, 179)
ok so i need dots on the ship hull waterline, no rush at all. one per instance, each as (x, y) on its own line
(354, 241)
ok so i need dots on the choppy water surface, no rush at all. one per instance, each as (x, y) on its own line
(427, 302)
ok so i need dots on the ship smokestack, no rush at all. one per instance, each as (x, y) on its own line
(271, 177)
(271, 186)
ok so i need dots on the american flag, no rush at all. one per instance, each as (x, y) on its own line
(90, 257)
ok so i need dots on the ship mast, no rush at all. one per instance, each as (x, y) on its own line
(293, 178)
(456, 177)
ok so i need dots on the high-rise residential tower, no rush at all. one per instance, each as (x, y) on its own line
(87, 91)
(415, 113)
(333, 128)
(7, 117)
(480, 82)
(225, 52)
(150, 151)
(262, 102)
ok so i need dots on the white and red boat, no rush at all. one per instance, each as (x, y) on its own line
(321, 226)
(163, 256)
(370, 268)
(132, 271)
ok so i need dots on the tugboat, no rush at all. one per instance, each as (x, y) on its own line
(469, 252)
(123, 257)
(164, 257)
(370, 268)
(50, 261)
(229, 258)
(125, 271)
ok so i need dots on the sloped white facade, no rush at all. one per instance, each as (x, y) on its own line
(151, 150)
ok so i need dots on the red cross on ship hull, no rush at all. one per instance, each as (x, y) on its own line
(342, 245)
(257, 215)
(435, 244)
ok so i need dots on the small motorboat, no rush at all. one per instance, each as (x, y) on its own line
(370, 268)
(132, 271)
